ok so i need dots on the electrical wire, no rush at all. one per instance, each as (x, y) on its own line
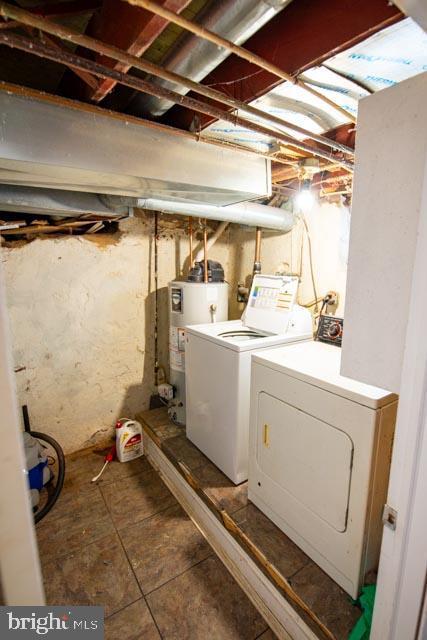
(307, 305)
(310, 254)
(301, 254)
(324, 303)
(236, 80)
(156, 297)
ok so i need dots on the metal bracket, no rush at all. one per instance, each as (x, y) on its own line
(389, 517)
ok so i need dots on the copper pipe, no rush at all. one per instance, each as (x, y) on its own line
(219, 41)
(257, 260)
(190, 237)
(118, 54)
(144, 86)
(205, 254)
(258, 245)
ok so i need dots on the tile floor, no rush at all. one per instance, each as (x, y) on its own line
(331, 604)
(126, 544)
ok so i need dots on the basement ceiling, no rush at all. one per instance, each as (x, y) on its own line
(342, 49)
(386, 58)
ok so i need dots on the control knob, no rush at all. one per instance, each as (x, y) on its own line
(334, 331)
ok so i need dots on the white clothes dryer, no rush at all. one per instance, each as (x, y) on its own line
(320, 448)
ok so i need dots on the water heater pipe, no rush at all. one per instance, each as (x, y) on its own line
(205, 254)
(190, 238)
(212, 239)
(257, 260)
(250, 213)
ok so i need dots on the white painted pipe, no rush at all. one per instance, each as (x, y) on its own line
(251, 213)
(212, 239)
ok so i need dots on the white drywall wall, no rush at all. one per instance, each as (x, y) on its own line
(82, 315)
(417, 9)
(21, 579)
(390, 174)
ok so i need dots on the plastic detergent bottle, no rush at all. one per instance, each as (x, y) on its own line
(128, 439)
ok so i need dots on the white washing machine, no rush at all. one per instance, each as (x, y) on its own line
(218, 367)
(320, 447)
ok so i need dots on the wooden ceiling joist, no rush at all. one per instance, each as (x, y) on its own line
(83, 75)
(304, 34)
(69, 8)
(83, 64)
(129, 28)
(239, 51)
(117, 54)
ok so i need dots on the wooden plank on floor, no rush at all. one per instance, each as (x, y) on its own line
(275, 609)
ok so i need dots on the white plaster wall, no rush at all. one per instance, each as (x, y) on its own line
(328, 226)
(82, 312)
(82, 316)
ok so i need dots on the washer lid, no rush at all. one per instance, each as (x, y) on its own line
(234, 335)
(270, 303)
(319, 364)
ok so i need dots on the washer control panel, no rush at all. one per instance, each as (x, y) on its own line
(330, 330)
(271, 301)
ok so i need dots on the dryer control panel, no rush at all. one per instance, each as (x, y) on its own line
(330, 330)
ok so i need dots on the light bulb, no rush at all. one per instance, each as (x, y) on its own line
(305, 200)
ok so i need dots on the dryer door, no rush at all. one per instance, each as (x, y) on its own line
(307, 458)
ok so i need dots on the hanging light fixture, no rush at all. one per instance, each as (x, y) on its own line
(305, 198)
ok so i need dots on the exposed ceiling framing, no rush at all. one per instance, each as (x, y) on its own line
(240, 52)
(138, 30)
(305, 34)
(104, 51)
(88, 66)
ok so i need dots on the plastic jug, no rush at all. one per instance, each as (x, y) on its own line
(128, 440)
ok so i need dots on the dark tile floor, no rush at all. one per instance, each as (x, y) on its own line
(126, 544)
(330, 603)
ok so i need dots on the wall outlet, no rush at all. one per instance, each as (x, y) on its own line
(332, 304)
(166, 391)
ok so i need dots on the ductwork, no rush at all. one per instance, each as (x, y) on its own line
(60, 203)
(236, 20)
(57, 202)
(74, 148)
(248, 213)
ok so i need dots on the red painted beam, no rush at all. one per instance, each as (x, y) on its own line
(127, 27)
(303, 34)
(88, 78)
(73, 7)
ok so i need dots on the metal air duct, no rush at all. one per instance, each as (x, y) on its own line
(236, 20)
(59, 203)
(249, 213)
(85, 149)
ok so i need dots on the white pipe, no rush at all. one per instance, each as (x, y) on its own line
(212, 239)
(251, 213)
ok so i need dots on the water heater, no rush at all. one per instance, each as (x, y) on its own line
(190, 303)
